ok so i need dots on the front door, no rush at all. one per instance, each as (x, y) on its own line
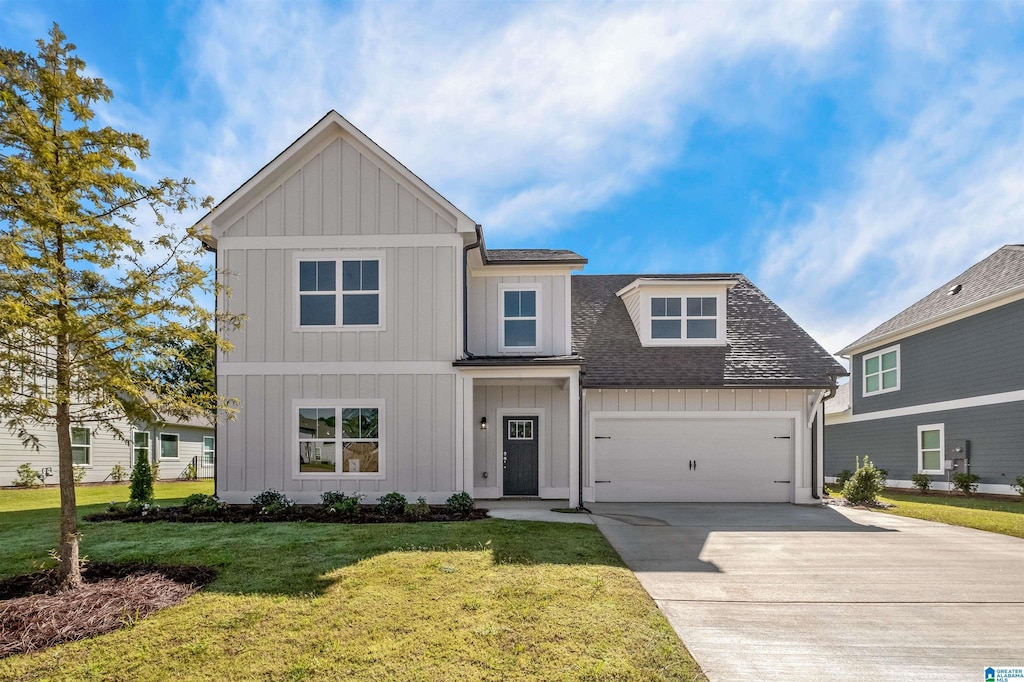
(520, 456)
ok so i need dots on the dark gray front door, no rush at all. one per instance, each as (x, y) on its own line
(520, 455)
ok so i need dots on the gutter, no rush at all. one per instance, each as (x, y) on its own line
(465, 289)
(826, 394)
(579, 446)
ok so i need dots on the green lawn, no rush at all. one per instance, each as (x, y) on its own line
(491, 600)
(996, 516)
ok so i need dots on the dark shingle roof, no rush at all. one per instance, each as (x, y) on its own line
(521, 256)
(1000, 272)
(765, 347)
(518, 360)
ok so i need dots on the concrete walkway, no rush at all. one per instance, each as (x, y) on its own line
(780, 593)
(532, 510)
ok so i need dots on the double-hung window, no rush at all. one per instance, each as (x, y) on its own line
(882, 371)
(931, 449)
(670, 320)
(701, 317)
(337, 291)
(81, 446)
(140, 446)
(666, 317)
(209, 449)
(519, 318)
(340, 440)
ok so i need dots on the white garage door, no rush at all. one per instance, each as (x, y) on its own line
(692, 459)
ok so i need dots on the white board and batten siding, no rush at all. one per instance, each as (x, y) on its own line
(553, 314)
(697, 445)
(341, 198)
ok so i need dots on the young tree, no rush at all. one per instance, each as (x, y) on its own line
(84, 303)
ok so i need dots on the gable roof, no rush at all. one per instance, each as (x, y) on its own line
(766, 348)
(325, 129)
(532, 256)
(999, 275)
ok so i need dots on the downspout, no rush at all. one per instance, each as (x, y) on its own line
(465, 289)
(826, 394)
(579, 447)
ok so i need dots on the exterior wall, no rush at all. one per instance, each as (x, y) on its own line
(996, 433)
(485, 313)
(419, 428)
(190, 444)
(107, 451)
(712, 401)
(979, 355)
(551, 403)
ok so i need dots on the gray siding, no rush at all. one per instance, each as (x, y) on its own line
(996, 433)
(485, 314)
(979, 355)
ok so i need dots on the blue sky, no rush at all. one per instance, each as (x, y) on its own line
(846, 157)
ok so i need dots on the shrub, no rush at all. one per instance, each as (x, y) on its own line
(865, 485)
(154, 469)
(27, 477)
(350, 506)
(78, 474)
(272, 502)
(142, 480)
(842, 477)
(1018, 485)
(391, 504)
(460, 504)
(198, 503)
(922, 482)
(966, 483)
(118, 473)
(419, 511)
(190, 472)
(332, 497)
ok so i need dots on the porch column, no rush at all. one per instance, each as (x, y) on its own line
(574, 438)
(468, 435)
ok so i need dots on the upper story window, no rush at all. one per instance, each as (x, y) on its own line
(519, 317)
(882, 371)
(336, 291)
(678, 312)
(666, 318)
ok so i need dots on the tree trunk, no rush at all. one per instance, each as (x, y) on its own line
(69, 571)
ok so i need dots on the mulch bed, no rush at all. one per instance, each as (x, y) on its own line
(247, 513)
(35, 613)
(843, 502)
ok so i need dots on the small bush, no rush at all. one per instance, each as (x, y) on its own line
(190, 472)
(332, 497)
(391, 504)
(1018, 485)
(138, 508)
(922, 482)
(272, 502)
(79, 473)
(154, 469)
(198, 503)
(865, 485)
(460, 504)
(419, 511)
(142, 480)
(350, 506)
(966, 483)
(27, 477)
(118, 473)
(842, 477)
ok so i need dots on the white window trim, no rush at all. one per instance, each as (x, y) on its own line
(339, 405)
(502, 288)
(88, 448)
(149, 445)
(160, 442)
(213, 449)
(339, 257)
(941, 428)
(864, 375)
(721, 296)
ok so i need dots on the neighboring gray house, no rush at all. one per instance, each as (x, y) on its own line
(941, 384)
(387, 349)
(173, 444)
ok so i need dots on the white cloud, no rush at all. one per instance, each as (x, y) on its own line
(521, 114)
(924, 207)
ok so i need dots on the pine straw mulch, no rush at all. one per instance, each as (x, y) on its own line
(35, 614)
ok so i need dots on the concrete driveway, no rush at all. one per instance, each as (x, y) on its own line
(780, 593)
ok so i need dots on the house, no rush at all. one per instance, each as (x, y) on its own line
(939, 387)
(180, 447)
(388, 349)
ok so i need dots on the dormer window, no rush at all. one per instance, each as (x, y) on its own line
(669, 312)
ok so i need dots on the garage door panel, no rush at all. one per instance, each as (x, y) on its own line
(693, 459)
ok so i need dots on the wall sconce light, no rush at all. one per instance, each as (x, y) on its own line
(483, 423)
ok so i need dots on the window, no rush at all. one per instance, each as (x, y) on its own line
(208, 449)
(140, 446)
(519, 318)
(340, 440)
(666, 318)
(520, 429)
(882, 371)
(81, 446)
(355, 303)
(931, 449)
(168, 446)
(701, 317)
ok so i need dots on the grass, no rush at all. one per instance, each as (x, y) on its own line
(996, 516)
(489, 600)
